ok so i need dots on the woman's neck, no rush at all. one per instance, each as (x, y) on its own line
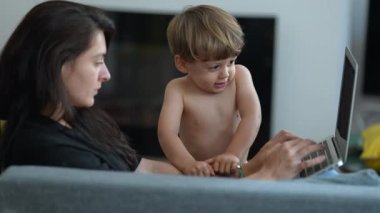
(57, 115)
(64, 123)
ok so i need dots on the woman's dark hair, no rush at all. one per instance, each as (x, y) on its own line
(49, 35)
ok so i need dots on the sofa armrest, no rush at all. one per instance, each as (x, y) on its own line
(51, 189)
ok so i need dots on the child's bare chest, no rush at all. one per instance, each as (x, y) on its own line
(210, 110)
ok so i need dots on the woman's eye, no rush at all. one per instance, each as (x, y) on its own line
(98, 63)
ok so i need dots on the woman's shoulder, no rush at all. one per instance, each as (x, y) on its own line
(45, 134)
(44, 142)
(41, 130)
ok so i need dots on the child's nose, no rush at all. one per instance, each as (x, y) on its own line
(224, 73)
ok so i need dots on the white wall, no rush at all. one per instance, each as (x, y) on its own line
(310, 41)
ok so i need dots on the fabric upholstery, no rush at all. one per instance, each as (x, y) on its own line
(50, 189)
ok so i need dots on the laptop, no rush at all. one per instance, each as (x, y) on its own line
(336, 147)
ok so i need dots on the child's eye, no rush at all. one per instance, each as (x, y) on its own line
(232, 62)
(214, 67)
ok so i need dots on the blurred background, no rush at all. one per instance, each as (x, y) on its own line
(294, 49)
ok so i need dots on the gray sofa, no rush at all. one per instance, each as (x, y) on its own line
(48, 189)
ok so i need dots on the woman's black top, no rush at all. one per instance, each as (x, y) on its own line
(42, 141)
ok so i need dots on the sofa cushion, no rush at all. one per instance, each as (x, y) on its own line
(49, 189)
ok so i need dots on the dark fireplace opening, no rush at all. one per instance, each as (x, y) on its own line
(141, 64)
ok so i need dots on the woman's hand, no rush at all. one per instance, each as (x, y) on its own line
(282, 157)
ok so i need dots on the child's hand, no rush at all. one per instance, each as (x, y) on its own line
(224, 164)
(199, 168)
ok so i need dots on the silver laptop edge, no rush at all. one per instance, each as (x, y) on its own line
(337, 143)
(342, 142)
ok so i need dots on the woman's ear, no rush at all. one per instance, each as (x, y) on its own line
(180, 64)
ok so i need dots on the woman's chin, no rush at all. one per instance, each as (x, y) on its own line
(86, 104)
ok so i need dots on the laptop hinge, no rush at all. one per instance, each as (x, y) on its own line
(337, 148)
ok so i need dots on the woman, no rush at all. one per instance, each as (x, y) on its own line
(52, 67)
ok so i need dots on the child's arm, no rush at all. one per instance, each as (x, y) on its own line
(250, 112)
(168, 129)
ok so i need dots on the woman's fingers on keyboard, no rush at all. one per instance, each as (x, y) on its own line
(312, 162)
(309, 148)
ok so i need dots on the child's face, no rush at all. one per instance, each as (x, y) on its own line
(212, 76)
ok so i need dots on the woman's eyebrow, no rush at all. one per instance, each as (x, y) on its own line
(103, 55)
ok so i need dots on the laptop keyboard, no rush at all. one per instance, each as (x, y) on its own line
(316, 168)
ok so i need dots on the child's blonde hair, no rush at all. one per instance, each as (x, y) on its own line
(204, 33)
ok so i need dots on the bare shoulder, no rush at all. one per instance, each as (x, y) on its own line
(242, 71)
(176, 84)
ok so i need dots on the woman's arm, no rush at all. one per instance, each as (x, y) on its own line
(156, 166)
(282, 158)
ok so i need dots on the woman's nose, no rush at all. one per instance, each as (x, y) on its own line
(104, 74)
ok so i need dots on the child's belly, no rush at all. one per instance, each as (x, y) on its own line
(208, 138)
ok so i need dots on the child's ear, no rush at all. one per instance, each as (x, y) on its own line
(180, 64)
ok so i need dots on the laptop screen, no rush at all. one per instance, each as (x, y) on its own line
(346, 103)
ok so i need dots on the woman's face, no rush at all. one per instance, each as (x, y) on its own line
(83, 76)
